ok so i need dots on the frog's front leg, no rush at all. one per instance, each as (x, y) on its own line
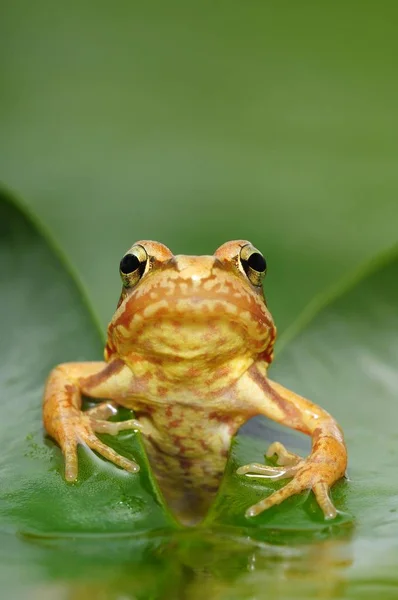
(69, 425)
(328, 459)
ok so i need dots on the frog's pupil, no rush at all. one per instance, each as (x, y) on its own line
(256, 261)
(129, 263)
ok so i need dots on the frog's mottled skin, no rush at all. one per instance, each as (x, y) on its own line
(188, 349)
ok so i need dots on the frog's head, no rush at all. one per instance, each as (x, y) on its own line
(195, 308)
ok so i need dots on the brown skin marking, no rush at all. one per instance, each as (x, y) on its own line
(220, 417)
(187, 350)
(69, 391)
(289, 410)
(204, 446)
(111, 369)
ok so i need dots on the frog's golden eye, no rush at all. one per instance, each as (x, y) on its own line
(253, 264)
(132, 266)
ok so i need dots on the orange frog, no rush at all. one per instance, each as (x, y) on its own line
(188, 350)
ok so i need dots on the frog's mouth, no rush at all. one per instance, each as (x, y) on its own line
(195, 325)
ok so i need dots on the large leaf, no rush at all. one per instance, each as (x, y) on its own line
(347, 359)
(82, 540)
(194, 123)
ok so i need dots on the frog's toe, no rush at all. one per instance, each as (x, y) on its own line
(104, 410)
(275, 473)
(284, 457)
(272, 500)
(99, 414)
(69, 450)
(101, 426)
(321, 491)
(91, 440)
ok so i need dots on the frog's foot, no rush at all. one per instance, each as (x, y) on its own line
(75, 427)
(98, 415)
(307, 475)
(289, 464)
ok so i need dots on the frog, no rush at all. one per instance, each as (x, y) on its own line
(187, 351)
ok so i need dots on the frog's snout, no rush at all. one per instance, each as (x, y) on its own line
(195, 268)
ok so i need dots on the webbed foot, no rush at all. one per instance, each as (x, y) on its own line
(307, 474)
(71, 427)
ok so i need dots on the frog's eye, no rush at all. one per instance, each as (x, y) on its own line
(253, 264)
(132, 265)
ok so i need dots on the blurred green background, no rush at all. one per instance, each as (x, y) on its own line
(197, 122)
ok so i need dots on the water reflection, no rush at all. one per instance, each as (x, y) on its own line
(196, 565)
